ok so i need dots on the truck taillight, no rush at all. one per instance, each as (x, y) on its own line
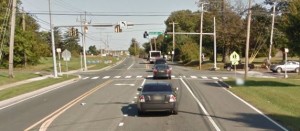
(172, 98)
(142, 98)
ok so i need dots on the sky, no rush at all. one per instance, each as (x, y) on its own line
(110, 12)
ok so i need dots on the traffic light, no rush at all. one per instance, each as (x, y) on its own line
(72, 31)
(118, 29)
(166, 34)
(146, 34)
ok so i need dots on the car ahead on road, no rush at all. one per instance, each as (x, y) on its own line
(160, 96)
(229, 66)
(160, 61)
(289, 66)
(162, 70)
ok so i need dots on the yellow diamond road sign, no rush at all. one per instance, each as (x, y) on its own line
(234, 58)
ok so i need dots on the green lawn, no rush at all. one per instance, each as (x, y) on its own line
(277, 98)
(25, 88)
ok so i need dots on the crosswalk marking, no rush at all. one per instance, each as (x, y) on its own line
(117, 77)
(225, 78)
(106, 77)
(204, 77)
(151, 76)
(194, 77)
(127, 77)
(215, 78)
(96, 77)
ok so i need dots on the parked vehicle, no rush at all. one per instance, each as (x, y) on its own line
(157, 97)
(162, 70)
(153, 55)
(290, 66)
(229, 66)
(160, 61)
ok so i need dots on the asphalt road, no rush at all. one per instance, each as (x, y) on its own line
(105, 101)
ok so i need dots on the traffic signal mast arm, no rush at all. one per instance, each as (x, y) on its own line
(188, 33)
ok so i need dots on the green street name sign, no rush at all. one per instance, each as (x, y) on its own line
(155, 33)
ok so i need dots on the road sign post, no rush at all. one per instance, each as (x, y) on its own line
(66, 55)
(234, 58)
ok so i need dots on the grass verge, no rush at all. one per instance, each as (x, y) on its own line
(279, 99)
(29, 87)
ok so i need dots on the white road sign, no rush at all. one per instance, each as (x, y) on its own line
(234, 58)
(66, 55)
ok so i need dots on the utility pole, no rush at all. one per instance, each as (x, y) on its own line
(173, 52)
(84, 30)
(150, 44)
(155, 43)
(53, 44)
(24, 28)
(12, 39)
(248, 40)
(272, 31)
(201, 34)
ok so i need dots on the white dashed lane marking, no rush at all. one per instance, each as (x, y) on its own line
(127, 77)
(194, 77)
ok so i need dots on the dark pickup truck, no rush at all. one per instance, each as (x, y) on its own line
(229, 66)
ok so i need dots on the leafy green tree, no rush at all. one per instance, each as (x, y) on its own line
(292, 26)
(134, 48)
(93, 50)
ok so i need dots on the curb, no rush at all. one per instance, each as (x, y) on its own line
(222, 83)
(20, 98)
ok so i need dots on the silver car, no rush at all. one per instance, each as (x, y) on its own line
(290, 66)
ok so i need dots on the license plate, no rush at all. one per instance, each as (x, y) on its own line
(157, 98)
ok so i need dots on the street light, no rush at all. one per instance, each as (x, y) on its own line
(53, 44)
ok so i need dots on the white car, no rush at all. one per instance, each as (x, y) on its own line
(290, 66)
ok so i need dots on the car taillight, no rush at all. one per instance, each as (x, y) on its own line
(155, 70)
(172, 98)
(142, 98)
(168, 70)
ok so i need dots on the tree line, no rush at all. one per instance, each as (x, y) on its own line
(231, 19)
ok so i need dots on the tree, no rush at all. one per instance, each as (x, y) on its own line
(292, 26)
(134, 48)
(93, 50)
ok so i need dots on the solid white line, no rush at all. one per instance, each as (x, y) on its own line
(202, 107)
(143, 82)
(130, 66)
(255, 109)
(31, 97)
